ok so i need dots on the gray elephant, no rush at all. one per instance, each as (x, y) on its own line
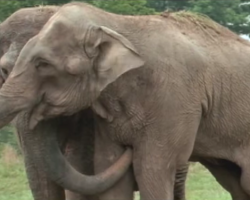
(222, 169)
(160, 90)
(76, 133)
(14, 33)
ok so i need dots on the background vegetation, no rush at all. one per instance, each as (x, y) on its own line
(230, 13)
(233, 14)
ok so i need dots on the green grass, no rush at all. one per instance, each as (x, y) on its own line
(202, 185)
(13, 182)
(14, 186)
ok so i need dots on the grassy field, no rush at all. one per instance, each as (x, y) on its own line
(14, 186)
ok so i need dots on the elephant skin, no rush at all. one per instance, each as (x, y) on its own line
(76, 135)
(169, 86)
(202, 80)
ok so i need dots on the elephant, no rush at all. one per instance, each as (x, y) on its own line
(169, 93)
(211, 151)
(76, 134)
(15, 31)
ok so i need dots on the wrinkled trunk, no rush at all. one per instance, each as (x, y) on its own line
(46, 151)
(7, 111)
(17, 95)
(42, 187)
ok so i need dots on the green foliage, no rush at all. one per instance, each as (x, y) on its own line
(57, 2)
(7, 7)
(125, 7)
(228, 13)
(162, 5)
(7, 136)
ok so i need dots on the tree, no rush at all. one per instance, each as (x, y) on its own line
(228, 13)
(7, 7)
(57, 2)
(162, 5)
(125, 7)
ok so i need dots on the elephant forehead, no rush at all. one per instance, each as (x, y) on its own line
(69, 15)
(76, 12)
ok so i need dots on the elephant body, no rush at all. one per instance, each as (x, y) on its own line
(170, 86)
(76, 136)
(75, 133)
(190, 70)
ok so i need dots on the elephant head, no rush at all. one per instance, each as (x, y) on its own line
(57, 167)
(64, 68)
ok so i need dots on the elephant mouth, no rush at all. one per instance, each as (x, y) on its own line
(45, 109)
(37, 112)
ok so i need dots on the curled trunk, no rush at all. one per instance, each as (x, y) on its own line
(42, 187)
(59, 170)
(46, 149)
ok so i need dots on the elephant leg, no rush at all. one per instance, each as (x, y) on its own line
(41, 186)
(158, 155)
(155, 175)
(73, 155)
(245, 176)
(229, 178)
(106, 153)
(80, 153)
(180, 180)
(78, 131)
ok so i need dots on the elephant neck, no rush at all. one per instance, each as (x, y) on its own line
(121, 97)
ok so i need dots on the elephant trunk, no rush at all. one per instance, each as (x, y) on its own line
(7, 111)
(16, 96)
(45, 188)
(59, 170)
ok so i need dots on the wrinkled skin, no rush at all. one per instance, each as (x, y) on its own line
(14, 33)
(76, 133)
(195, 96)
(106, 57)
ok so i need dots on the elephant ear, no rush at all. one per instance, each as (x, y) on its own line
(113, 54)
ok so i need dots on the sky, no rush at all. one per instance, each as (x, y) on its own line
(245, 37)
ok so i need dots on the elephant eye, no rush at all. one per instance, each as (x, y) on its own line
(41, 64)
(4, 72)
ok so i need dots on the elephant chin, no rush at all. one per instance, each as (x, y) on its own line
(36, 115)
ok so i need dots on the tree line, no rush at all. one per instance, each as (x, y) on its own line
(230, 13)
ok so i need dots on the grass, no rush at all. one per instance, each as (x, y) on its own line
(14, 185)
(202, 185)
(13, 182)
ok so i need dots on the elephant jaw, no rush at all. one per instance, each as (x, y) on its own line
(43, 111)
(37, 115)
